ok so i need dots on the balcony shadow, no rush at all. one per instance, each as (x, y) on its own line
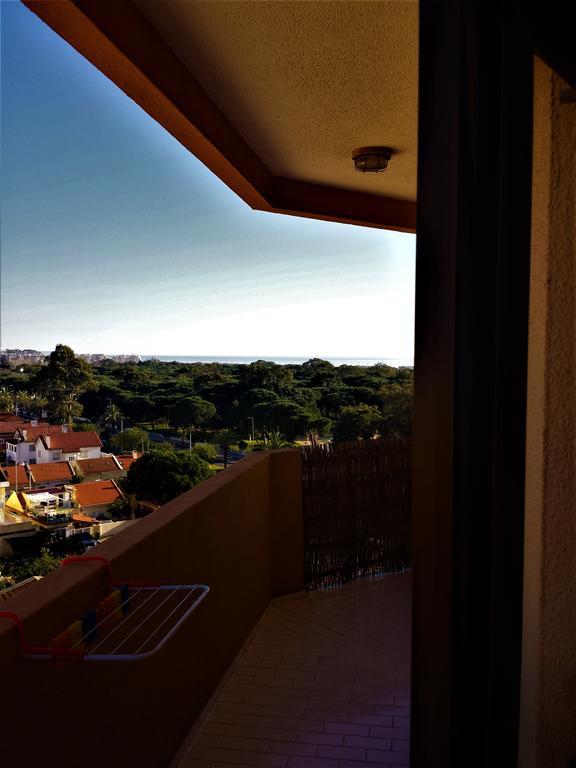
(323, 680)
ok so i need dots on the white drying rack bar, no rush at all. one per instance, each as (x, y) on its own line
(143, 621)
(154, 614)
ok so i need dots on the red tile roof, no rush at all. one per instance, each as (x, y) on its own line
(78, 517)
(55, 489)
(5, 416)
(9, 473)
(73, 441)
(56, 471)
(31, 434)
(8, 427)
(96, 493)
(101, 465)
(127, 460)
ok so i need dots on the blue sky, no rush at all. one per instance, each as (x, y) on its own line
(116, 239)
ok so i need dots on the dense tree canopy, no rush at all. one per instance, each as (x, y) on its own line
(396, 407)
(205, 451)
(131, 439)
(357, 421)
(191, 412)
(266, 375)
(314, 398)
(63, 380)
(161, 475)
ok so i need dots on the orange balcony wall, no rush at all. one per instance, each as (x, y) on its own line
(240, 533)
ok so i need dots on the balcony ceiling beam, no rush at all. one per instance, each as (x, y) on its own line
(125, 46)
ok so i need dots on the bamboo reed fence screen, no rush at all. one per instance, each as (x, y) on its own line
(357, 500)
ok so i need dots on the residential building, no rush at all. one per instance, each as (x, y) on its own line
(22, 445)
(50, 509)
(8, 424)
(22, 356)
(68, 446)
(94, 498)
(30, 476)
(102, 468)
(12, 526)
(54, 474)
(95, 358)
(16, 475)
(127, 459)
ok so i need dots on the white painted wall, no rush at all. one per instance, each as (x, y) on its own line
(44, 456)
(19, 452)
(83, 453)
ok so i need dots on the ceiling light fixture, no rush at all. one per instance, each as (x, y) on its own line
(371, 159)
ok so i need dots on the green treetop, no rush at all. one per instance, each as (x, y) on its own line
(63, 380)
(161, 475)
(357, 421)
(132, 439)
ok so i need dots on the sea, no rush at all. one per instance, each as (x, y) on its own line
(361, 361)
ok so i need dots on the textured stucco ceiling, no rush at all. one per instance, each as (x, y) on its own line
(306, 82)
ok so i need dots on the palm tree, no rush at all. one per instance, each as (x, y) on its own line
(66, 408)
(275, 440)
(6, 399)
(112, 414)
(39, 403)
(22, 399)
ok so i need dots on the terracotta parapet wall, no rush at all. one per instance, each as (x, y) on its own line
(239, 533)
(286, 529)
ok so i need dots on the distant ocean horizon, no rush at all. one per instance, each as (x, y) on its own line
(396, 362)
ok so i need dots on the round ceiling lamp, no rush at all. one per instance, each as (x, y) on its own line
(371, 159)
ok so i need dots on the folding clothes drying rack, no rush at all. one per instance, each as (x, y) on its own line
(132, 621)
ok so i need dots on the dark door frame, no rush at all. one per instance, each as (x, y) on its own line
(472, 293)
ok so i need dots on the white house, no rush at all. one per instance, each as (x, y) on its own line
(69, 446)
(22, 446)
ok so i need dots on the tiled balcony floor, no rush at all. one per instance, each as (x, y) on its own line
(323, 682)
